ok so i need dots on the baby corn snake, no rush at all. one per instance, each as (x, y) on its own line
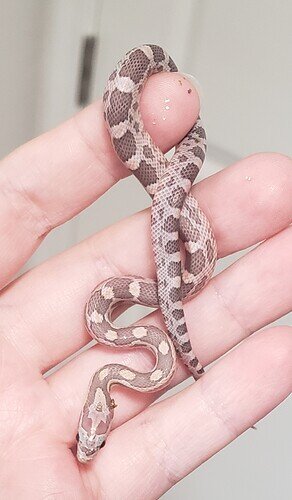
(176, 220)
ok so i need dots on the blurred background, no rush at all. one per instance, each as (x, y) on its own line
(55, 58)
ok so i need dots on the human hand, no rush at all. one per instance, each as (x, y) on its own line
(45, 183)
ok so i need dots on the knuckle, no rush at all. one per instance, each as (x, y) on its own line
(103, 156)
(25, 206)
(157, 448)
(279, 340)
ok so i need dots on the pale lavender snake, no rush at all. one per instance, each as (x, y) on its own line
(175, 218)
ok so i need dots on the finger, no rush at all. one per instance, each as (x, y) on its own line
(257, 204)
(53, 309)
(231, 307)
(156, 449)
(52, 178)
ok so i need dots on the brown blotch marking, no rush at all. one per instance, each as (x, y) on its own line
(158, 53)
(145, 173)
(171, 224)
(174, 269)
(186, 347)
(148, 292)
(191, 133)
(102, 304)
(98, 303)
(125, 146)
(147, 151)
(200, 132)
(182, 329)
(194, 362)
(199, 153)
(175, 294)
(210, 251)
(198, 261)
(190, 171)
(189, 91)
(135, 66)
(195, 261)
(121, 288)
(186, 288)
(172, 65)
(178, 314)
(172, 246)
(159, 68)
(119, 106)
(186, 228)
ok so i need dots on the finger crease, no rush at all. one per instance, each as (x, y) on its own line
(219, 411)
(227, 307)
(100, 156)
(157, 447)
(27, 207)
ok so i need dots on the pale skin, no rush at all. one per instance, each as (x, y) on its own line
(46, 182)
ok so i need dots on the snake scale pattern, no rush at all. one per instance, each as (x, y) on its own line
(178, 226)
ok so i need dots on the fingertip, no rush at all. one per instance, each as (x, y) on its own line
(170, 106)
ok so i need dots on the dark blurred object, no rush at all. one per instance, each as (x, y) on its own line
(89, 44)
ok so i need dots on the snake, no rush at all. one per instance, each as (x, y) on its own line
(184, 250)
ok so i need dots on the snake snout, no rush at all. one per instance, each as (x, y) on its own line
(88, 445)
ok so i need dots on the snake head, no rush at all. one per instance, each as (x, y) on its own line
(94, 424)
(88, 445)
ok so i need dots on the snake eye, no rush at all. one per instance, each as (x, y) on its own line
(77, 437)
(102, 445)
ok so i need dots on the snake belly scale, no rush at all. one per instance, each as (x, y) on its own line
(177, 226)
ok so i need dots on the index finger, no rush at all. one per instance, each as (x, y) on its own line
(50, 179)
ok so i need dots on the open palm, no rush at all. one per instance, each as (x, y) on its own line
(45, 183)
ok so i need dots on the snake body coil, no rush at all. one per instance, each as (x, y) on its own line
(175, 217)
